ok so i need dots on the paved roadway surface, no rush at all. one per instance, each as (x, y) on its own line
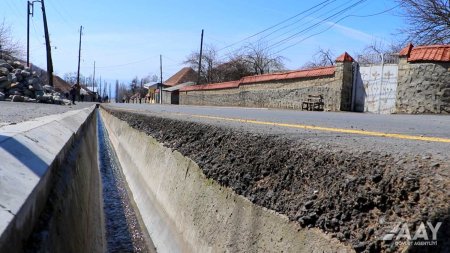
(424, 135)
(11, 112)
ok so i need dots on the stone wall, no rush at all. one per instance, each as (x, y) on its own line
(423, 87)
(287, 93)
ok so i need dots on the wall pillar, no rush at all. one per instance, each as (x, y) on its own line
(344, 77)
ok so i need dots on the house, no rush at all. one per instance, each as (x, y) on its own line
(152, 96)
(186, 76)
(171, 95)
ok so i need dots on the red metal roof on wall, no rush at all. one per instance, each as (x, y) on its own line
(213, 86)
(430, 53)
(440, 53)
(345, 57)
(315, 72)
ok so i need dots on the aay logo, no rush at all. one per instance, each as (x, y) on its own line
(400, 234)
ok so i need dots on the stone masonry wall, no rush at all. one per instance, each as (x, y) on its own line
(423, 87)
(281, 94)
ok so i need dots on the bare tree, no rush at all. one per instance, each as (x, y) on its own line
(259, 59)
(429, 21)
(153, 78)
(210, 62)
(234, 69)
(123, 92)
(8, 46)
(371, 54)
(252, 59)
(322, 58)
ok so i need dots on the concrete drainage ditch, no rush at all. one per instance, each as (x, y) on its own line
(186, 212)
(185, 187)
(124, 229)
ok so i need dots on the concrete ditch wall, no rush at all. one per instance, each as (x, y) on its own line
(186, 212)
(50, 190)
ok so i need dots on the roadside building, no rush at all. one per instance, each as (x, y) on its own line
(185, 76)
(171, 95)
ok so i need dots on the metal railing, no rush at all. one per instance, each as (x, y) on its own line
(377, 59)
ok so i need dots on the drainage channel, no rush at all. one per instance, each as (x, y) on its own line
(123, 225)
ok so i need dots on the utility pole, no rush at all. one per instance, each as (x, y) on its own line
(160, 70)
(79, 57)
(93, 79)
(47, 44)
(100, 90)
(28, 31)
(200, 59)
(117, 91)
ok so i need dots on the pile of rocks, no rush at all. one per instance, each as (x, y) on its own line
(20, 84)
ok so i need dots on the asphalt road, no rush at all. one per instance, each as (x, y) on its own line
(424, 135)
(11, 112)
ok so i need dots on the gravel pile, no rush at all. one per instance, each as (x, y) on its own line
(19, 84)
(356, 197)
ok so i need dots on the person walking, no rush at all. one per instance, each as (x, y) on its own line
(73, 94)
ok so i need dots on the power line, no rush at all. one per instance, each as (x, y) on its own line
(35, 34)
(128, 63)
(295, 22)
(273, 26)
(62, 17)
(312, 20)
(320, 5)
(316, 24)
(335, 23)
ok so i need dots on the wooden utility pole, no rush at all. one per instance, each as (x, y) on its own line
(93, 79)
(28, 31)
(49, 49)
(100, 90)
(79, 58)
(160, 70)
(200, 59)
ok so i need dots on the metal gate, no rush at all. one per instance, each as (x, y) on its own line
(375, 83)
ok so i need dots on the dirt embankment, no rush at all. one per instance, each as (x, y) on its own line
(356, 197)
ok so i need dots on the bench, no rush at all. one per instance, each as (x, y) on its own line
(314, 103)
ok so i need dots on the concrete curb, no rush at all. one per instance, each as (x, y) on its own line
(29, 151)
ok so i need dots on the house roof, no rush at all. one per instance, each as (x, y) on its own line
(179, 86)
(151, 85)
(186, 74)
(440, 53)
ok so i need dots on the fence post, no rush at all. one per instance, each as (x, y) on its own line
(381, 83)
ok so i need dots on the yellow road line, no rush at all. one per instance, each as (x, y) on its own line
(317, 128)
(328, 129)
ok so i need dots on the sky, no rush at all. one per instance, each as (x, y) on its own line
(126, 38)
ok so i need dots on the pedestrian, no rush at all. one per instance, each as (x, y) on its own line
(82, 97)
(73, 94)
